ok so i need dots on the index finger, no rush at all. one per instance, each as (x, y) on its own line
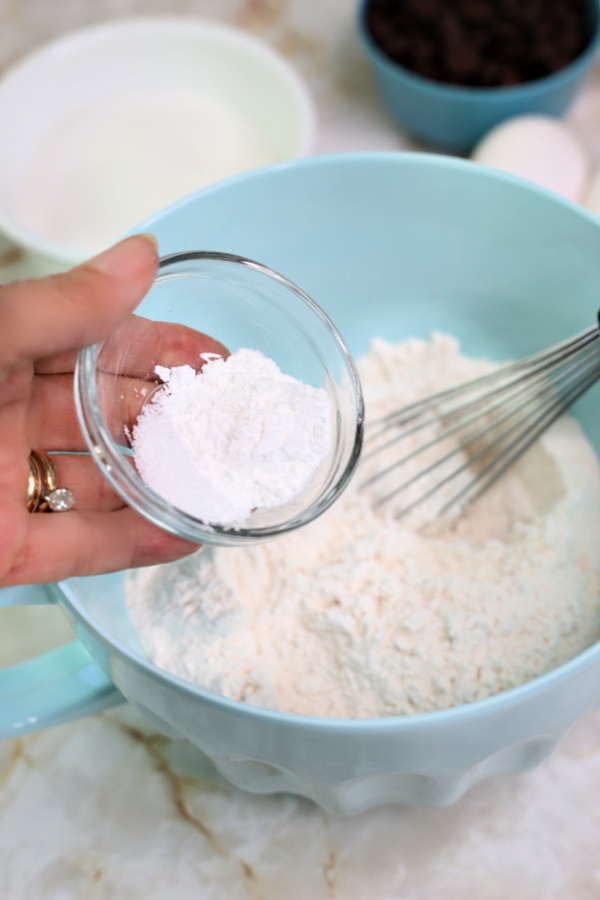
(60, 313)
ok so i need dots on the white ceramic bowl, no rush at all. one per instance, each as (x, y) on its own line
(110, 124)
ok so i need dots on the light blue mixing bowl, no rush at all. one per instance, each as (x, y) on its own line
(394, 245)
(452, 117)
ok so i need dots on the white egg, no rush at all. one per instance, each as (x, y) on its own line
(540, 148)
(592, 197)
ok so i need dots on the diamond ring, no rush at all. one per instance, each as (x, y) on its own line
(43, 493)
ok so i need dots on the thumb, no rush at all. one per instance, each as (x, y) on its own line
(64, 312)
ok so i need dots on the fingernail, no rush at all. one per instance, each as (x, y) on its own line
(150, 237)
(121, 260)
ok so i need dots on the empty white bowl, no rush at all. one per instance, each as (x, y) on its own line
(110, 124)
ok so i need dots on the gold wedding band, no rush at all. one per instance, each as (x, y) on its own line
(43, 492)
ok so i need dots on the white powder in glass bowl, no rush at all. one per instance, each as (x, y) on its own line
(237, 436)
(360, 615)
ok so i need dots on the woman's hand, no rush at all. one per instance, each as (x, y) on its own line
(43, 323)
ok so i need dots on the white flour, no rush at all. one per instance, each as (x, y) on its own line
(237, 436)
(360, 615)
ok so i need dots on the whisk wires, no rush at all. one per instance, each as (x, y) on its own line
(481, 427)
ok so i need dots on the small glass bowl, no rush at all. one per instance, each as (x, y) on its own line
(240, 303)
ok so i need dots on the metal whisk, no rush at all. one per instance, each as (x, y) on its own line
(469, 435)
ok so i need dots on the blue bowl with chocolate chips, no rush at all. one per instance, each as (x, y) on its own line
(448, 72)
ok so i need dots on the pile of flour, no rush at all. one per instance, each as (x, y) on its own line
(362, 615)
(237, 436)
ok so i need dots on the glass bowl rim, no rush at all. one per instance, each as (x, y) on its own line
(127, 483)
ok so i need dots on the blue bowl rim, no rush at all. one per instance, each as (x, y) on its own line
(511, 698)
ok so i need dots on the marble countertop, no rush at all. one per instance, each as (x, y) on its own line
(104, 809)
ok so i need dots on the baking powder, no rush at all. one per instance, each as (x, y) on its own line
(239, 435)
(362, 615)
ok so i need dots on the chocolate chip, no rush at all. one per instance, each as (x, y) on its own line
(476, 12)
